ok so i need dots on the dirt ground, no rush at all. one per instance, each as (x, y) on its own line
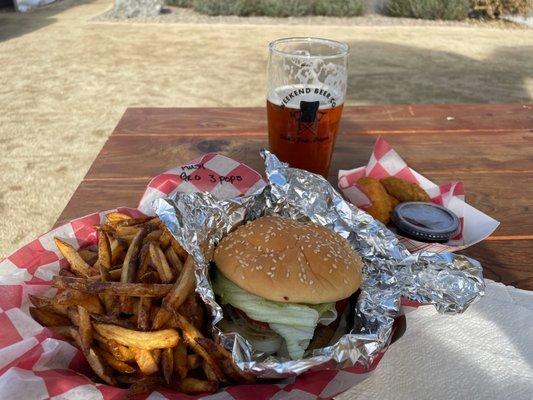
(65, 81)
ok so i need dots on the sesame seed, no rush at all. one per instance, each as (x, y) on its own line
(311, 282)
(345, 281)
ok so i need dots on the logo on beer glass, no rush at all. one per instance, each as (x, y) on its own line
(303, 123)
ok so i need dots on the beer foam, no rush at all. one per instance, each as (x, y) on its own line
(320, 79)
(291, 95)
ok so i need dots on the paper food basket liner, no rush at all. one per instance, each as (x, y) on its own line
(35, 364)
(384, 162)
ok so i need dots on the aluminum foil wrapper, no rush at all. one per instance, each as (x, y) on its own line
(449, 282)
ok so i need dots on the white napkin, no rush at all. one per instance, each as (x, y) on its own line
(485, 353)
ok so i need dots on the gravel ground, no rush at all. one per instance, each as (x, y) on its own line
(172, 15)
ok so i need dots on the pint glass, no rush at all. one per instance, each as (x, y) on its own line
(306, 90)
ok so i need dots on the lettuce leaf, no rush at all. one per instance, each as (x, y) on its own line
(296, 323)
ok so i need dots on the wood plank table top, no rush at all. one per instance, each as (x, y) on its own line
(489, 147)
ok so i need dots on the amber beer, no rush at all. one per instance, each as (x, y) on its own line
(304, 133)
(305, 96)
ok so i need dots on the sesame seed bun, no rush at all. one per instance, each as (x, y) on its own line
(289, 261)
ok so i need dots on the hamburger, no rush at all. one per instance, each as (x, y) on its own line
(278, 279)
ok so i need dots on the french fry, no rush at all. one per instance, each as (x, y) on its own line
(143, 340)
(194, 361)
(67, 332)
(85, 328)
(224, 359)
(115, 363)
(95, 362)
(132, 221)
(104, 265)
(127, 231)
(117, 216)
(117, 252)
(146, 362)
(149, 277)
(180, 251)
(196, 386)
(66, 272)
(131, 260)
(114, 288)
(162, 318)
(120, 352)
(180, 360)
(77, 264)
(167, 364)
(161, 264)
(70, 297)
(47, 317)
(208, 371)
(74, 315)
(192, 310)
(152, 237)
(131, 263)
(143, 313)
(111, 276)
(44, 302)
(164, 239)
(144, 263)
(111, 319)
(104, 251)
(156, 353)
(183, 287)
(88, 256)
(99, 368)
(173, 260)
(191, 335)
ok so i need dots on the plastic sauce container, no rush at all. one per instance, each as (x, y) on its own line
(425, 222)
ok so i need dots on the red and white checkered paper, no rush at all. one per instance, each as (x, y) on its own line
(384, 161)
(34, 364)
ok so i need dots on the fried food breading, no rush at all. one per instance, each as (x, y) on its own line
(403, 190)
(381, 203)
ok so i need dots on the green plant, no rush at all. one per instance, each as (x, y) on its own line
(347, 8)
(225, 7)
(279, 8)
(179, 3)
(496, 8)
(429, 9)
(285, 8)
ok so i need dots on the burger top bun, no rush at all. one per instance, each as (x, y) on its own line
(289, 261)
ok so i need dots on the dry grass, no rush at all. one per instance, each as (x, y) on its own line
(66, 81)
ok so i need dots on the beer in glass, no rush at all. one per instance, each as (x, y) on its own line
(306, 91)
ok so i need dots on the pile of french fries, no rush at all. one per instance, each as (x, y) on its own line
(130, 306)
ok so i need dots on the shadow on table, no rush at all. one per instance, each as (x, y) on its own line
(14, 24)
(384, 73)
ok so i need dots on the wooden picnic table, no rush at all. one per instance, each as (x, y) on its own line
(489, 147)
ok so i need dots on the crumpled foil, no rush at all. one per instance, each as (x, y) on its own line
(450, 282)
